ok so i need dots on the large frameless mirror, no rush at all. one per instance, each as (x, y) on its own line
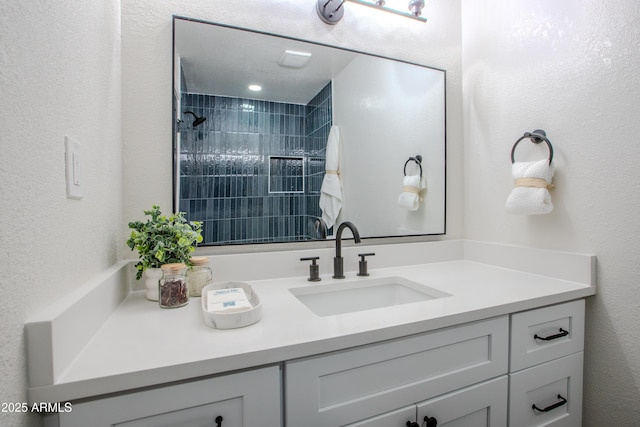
(269, 128)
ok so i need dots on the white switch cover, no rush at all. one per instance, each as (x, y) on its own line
(74, 178)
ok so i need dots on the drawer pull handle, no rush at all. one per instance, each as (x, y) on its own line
(430, 422)
(563, 401)
(218, 421)
(562, 333)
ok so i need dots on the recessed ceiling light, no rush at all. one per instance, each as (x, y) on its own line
(255, 88)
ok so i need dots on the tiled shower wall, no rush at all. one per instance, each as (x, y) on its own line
(318, 120)
(225, 165)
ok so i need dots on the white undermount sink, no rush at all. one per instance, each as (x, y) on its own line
(363, 294)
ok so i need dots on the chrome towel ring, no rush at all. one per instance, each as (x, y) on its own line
(537, 136)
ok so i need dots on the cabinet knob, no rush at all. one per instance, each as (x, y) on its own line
(412, 424)
(430, 421)
(218, 421)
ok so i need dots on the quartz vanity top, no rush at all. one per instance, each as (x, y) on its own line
(141, 345)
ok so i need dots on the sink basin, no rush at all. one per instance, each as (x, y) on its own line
(363, 294)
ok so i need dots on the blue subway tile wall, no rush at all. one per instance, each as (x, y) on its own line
(224, 167)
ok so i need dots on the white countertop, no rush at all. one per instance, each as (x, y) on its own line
(141, 345)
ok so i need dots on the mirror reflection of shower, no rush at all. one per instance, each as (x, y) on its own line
(252, 172)
(225, 165)
(197, 121)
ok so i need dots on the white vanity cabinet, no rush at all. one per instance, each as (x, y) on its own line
(381, 384)
(244, 399)
(471, 358)
(519, 370)
(547, 366)
(471, 375)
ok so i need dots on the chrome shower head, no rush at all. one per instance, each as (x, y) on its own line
(197, 120)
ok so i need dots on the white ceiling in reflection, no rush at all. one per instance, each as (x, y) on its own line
(221, 61)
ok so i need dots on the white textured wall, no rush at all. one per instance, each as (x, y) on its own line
(571, 68)
(59, 75)
(146, 62)
(568, 67)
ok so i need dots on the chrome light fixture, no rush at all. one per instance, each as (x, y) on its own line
(332, 11)
(416, 6)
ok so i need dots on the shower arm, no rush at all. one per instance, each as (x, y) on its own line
(196, 120)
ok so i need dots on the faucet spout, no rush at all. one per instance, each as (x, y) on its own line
(338, 261)
(320, 227)
(354, 230)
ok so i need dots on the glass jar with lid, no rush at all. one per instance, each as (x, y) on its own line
(173, 287)
(199, 275)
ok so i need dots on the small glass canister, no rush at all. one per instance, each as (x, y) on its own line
(199, 275)
(173, 287)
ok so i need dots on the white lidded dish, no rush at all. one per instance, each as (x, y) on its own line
(221, 320)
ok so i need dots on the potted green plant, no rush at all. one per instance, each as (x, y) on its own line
(162, 240)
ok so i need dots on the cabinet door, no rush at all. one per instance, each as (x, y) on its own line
(351, 385)
(554, 388)
(227, 412)
(482, 405)
(397, 418)
(244, 399)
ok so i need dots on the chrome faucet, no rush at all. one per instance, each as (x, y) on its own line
(338, 261)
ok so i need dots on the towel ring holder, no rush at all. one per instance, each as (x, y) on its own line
(537, 136)
(418, 160)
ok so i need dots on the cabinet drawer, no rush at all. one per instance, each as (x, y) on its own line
(481, 405)
(398, 418)
(351, 385)
(249, 398)
(541, 335)
(555, 388)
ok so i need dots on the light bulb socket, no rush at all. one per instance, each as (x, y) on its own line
(416, 6)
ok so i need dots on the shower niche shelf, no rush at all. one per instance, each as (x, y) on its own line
(286, 174)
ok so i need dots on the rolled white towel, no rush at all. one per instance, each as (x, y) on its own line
(410, 198)
(532, 181)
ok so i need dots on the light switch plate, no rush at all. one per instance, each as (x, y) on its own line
(73, 168)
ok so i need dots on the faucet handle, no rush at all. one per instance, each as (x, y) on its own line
(362, 265)
(314, 269)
